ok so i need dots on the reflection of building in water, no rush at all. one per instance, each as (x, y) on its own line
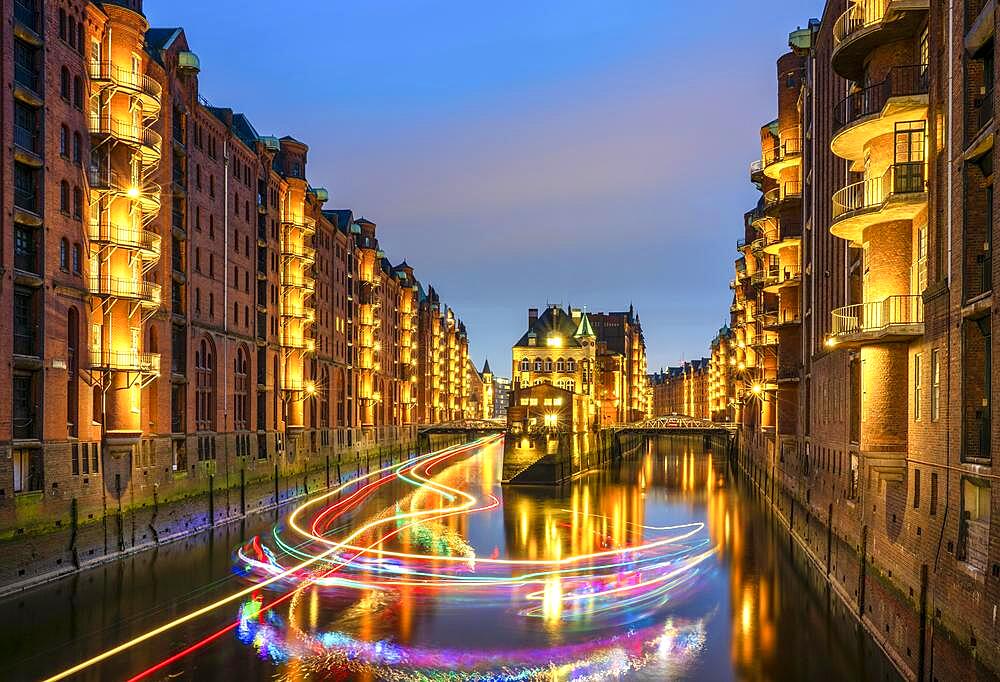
(597, 514)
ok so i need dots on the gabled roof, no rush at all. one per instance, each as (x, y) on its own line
(161, 38)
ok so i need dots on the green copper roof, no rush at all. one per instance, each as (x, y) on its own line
(584, 328)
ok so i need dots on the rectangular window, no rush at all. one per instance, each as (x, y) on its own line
(934, 492)
(916, 488)
(853, 492)
(916, 386)
(75, 458)
(935, 384)
(29, 473)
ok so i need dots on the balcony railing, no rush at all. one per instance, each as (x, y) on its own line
(26, 343)
(902, 81)
(789, 146)
(984, 110)
(119, 287)
(861, 15)
(300, 251)
(785, 192)
(126, 236)
(756, 169)
(879, 316)
(307, 226)
(125, 361)
(129, 133)
(27, 77)
(873, 193)
(127, 79)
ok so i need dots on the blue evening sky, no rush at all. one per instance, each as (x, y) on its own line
(519, 153)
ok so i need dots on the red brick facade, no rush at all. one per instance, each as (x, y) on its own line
(184, 308)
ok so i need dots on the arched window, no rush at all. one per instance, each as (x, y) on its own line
(62, 23)
(77, 258)
(72, 362)
(64, 254)
(71, 32)
(241, 406)
(324, 399)
(560, 365)
(77, 203)
(538, 364)
(64, 83)
(548, 364)
(64, 197)
(78, 92)
(79, 38)
(77, 148)
(64, 141)
(571, 386)
(525, 365)
(204, 369)
(571, 365)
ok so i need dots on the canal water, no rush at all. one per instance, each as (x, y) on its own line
(660, 566)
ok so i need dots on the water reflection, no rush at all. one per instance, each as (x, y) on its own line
(440, 573)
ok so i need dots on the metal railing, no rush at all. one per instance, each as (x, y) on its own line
(307, 226)
(126, 132)
(125, 236)
(126, 288)
(756, 167)
(300, 251)
(902, 81)
(789, 145)
(878, 316)
(984, 110)
(872, 194)
(126, 78)
(861, 15)
(787, 190)
(127, 360)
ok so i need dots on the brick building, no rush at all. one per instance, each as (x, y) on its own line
(682, 390)
(863, 317)
(180, 304)
(600, 356)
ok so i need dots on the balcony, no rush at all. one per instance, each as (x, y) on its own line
(27, 146)
(900, 193)
(757, 171)
(125, 361)
(145, 141)
(298, 251)
(875, 110)
(307, 226)
(868, 24)
(896, 318)
(779, 277)
(785, 154)
(147, 89)
(295, 281)
(786, 196)
(146, 293)
(146, 242)
(27, 18)
(104, 180)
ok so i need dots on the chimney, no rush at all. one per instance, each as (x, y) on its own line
(532, 317)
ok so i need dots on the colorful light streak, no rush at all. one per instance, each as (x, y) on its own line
(615, 586)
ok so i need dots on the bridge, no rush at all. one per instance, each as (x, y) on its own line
(464, 426)
(677, 424)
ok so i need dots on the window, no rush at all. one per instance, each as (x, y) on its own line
(76, 259)
(548, 364)
(916, 488)
(571, 365)
(538, 364)
(204, 365)
(934, 492)
(64, 197)
(77, 148)
(560, 365)
(525, 365)
(29, 472)
(77, 203)
(72, 360)
(62, 23)
(935, 384)
(25, 400)
(916, 385)
(855, 474)
(64, 254)
(78, 92)
(64, 141)
(64, 83)
(241, 412)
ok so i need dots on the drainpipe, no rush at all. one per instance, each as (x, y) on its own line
(225, 281)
